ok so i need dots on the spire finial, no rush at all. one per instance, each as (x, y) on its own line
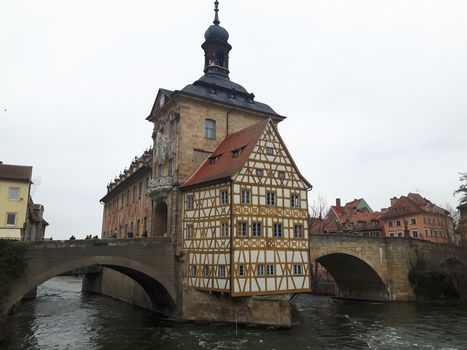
(216, 10)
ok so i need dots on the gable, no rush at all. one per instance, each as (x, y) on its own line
(163, 96)
(271, 156)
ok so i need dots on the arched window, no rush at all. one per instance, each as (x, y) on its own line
(209, 129)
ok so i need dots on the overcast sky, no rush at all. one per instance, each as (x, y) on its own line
(375, 91)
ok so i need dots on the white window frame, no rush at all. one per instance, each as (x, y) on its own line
(224, 229)
(245, 196)
(298, 231)
(297, 269)
(256, 229)
(242, 228)
(210, 129)
(241, 270)
(271, 198)
(221, 270)
(278, 230)
(11, 190)
(224, 197)
(295, 201)
(15, 216)
(260, 270)
(270, 270)
(190, 202)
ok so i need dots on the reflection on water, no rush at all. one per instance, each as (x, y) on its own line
(64, 318)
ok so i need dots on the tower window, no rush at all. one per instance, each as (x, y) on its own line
(220, 58)
(210, 129)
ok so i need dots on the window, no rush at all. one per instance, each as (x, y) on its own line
(246, 198)
(270, 270)
(160, 170)
(224, 229)
(11, 219)
(297, 231)
(295, 201)
(128, 197)
(413, 221)
(271, 198)
(390, 224)
(190, 203)
(171, 167)
(269, 151)
(224, 197)
(13, 194)
(210, 129)
(281, 174)
(415, 234)
(391, 234)
(399, 234)
(241, 270)
(221, 270)
(260, 270)
(426, 233)
(205, 271)
(145, 225)
(277, 230)
(193, 271)
(243, 229)
(257, 229)
(297, 269)
(259, 172)
(236, 152)
(138, 227)
(140, 190)
(398, 223)
(189, 232)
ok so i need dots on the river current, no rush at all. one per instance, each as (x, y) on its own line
(62, 317)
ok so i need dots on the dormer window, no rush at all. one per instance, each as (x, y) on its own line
(210, 129)
(213, 159)
(236, 153)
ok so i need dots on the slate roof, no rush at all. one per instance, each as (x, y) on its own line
(15, 172)
(225, 165)
(219, 88)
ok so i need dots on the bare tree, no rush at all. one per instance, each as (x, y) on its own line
(318, 210)
(462, 190)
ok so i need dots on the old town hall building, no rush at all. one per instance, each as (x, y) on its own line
(223, 185)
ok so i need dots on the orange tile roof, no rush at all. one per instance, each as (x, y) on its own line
(225, 165)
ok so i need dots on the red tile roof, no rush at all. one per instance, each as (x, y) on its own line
(224, 165)
(15, 172)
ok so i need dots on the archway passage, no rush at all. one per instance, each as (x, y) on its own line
(355, 279)
(160, 223)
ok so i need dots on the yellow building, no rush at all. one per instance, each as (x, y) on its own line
(15, 182)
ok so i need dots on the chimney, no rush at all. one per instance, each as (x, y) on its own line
(393, 200)
(338, 202)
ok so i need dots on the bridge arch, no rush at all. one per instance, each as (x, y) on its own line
(159, 290)
(356, 277)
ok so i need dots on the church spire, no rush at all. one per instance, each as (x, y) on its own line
(216, 47)
(216, 11)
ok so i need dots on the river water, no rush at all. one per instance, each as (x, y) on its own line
(62, 317)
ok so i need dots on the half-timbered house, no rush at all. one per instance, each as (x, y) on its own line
(245, 217)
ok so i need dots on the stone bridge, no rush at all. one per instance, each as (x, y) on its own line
(367, 268)
(150, 262)
(363, 268)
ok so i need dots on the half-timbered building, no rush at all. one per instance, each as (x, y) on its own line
(245, 217)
